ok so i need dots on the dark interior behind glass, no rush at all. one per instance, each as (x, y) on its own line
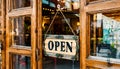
(60, 27)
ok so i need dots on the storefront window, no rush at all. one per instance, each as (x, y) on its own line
(21, 31)
(61, 25)
(105, 35)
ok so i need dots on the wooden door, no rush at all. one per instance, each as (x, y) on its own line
(22, 30)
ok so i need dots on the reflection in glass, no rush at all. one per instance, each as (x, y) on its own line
(54, 63)
(21, 62)
(105, 36)
(21, 31)
(20, 3)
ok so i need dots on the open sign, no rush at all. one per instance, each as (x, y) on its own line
(61, 46)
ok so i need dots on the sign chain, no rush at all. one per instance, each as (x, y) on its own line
(58, 6)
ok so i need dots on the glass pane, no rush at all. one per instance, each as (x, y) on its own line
(21, 31)
(66, 22)
(59, 25)
(21, 3)
(55, 63)
(21, 62)
(105, 35)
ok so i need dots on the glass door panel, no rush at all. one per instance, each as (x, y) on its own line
(70, 10)
(21, 62)
(21, 31)
(55, 63)
(21, 34)
(20, 3)
(105, 36)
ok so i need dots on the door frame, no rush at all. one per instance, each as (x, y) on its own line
(3, 44)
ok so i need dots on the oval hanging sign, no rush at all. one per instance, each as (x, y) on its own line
(61, 46)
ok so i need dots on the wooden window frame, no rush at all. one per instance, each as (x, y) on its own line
(36, 20)
(86, 11)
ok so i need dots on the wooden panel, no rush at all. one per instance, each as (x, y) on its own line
(83, 18)
(33, 34)
(106, 6)
(102, 65)
(3, 21)
(21, 47)
(20, 51)
(7, 35)
(7, 42)
(39, 42)
(88, 34)
(20, 12)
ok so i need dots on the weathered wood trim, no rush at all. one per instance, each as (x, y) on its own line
(7, 60)
(83, 32)
(7, 42)
(105, 6)
(102, 65)
(7, 35)
(3, 21)
(39, 27)
(21, 47)
(33, 34)
(11, 61)
(20, 12)
(94, 34)
(20, 51)
(88, 35)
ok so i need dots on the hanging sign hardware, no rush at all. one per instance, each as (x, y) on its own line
(61, 46)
